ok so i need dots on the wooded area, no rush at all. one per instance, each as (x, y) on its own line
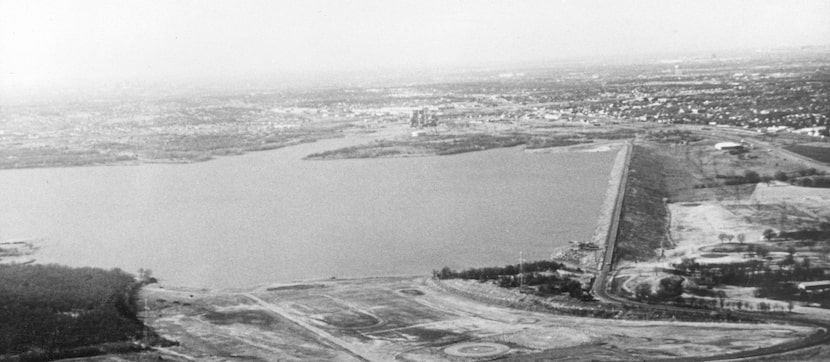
(47, 311)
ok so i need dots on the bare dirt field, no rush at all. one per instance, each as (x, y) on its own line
(695, 227)
(412, 319)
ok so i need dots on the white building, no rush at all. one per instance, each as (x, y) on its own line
(811, 286)
(729, 146)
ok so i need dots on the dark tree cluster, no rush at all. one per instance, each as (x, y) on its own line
(495, 273)
(537, 274)
(670, 288)
(47, 310)
(806, 178)
(806, 234)
(776, 280)
(815, 181)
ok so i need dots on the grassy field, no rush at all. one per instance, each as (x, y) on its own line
(643, 220)
(821, 154)
(430, 145)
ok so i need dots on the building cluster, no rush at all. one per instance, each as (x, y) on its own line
(423, 118)
(764, 95)
(765, 101)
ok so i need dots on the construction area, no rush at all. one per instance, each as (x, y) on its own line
(418, 319)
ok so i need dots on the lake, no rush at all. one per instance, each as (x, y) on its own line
(272, 217)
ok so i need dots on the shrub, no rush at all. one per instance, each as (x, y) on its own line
(752, 177)
(670, 287)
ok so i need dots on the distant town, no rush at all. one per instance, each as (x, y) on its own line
(768, 94)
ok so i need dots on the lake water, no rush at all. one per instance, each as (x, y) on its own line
(270, 217)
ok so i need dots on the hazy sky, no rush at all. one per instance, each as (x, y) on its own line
(58, 43)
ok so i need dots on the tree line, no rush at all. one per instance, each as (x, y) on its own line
(538, 274)
(809, 177)
(772, 280)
